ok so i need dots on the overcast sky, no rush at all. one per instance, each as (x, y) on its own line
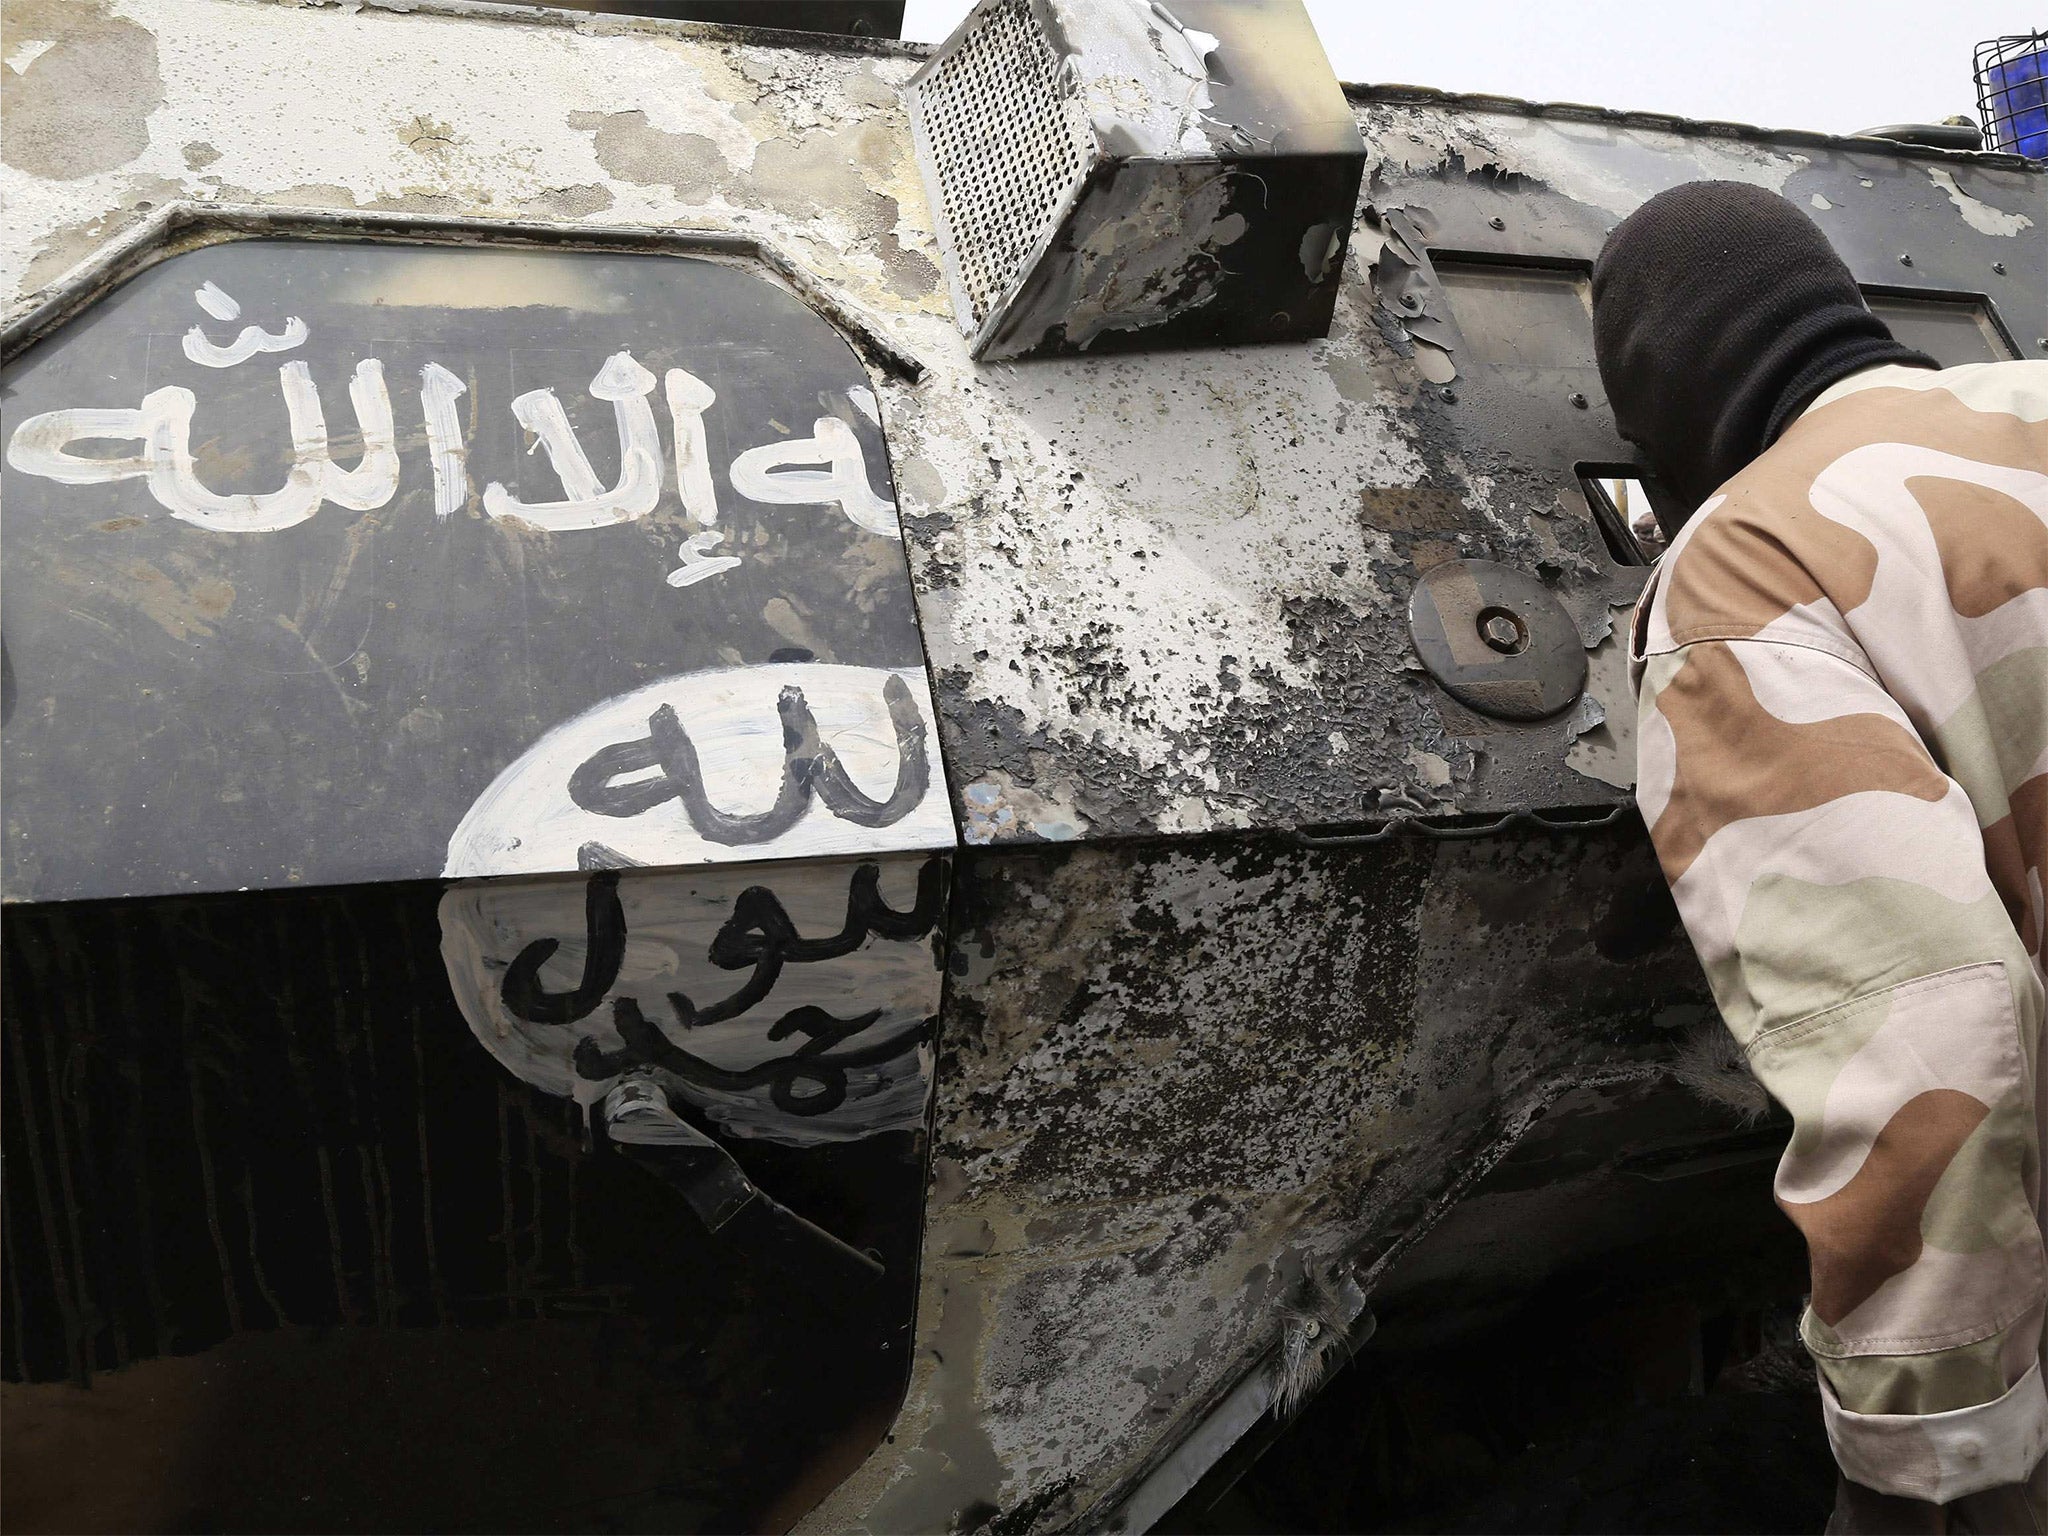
(1832, 65)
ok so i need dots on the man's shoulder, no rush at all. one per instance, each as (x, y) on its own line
(1890, 460)
(2014, 387)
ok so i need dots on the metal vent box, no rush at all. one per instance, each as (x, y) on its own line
(1117, 174)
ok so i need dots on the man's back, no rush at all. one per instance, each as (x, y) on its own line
(1842, 667)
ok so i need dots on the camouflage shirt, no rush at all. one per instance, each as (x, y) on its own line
(1842, 674)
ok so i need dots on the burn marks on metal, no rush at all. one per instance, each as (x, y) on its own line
(1110, 928)
(1487, 223)
(1407, 283)
(1175, 1078)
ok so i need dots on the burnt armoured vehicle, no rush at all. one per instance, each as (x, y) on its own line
(762, 781)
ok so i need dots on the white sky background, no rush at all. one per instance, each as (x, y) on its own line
(1835, 66)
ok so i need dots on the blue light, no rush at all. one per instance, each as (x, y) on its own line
(2017, 96)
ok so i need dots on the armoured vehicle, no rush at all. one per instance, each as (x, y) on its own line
(762, 780)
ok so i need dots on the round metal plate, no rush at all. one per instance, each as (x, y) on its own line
(1496, 639)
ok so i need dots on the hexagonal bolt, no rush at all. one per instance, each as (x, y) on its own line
(1500, 631)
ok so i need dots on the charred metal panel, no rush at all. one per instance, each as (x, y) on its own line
(1159, 594)
(1118, 174)
(1178, 1083)
(1195, 618)
(330, 562)
(1486, 225)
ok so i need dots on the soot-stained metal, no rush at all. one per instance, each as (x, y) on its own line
(1208, 1042)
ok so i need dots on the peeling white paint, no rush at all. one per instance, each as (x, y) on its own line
(1977, 213)
(1116, 547)
(1604, 748)
(1432, 769)
(1607, 166)
(999, 809)
(1244, 466)
(19, 58)
(1143, 76)
(1232, 493)
(227, 87)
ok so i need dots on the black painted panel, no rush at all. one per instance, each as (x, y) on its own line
(315, 686)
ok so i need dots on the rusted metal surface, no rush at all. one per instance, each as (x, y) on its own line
(1185, 1063)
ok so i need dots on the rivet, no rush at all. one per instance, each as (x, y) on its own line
(1905, 261)
(1998, 267)
(1497, 222)
(1578, 400)
(1451, 395)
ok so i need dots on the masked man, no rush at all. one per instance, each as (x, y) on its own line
(1841, 666)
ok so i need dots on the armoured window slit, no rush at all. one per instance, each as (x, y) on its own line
(1623, 503)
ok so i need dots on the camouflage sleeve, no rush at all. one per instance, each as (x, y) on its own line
(1833, 880)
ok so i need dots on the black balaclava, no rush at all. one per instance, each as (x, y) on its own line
(1719, 312)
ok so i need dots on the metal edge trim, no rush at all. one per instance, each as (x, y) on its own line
(1392, 94)
(613, 24)
(184, 225)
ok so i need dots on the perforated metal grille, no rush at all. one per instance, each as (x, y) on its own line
(1007, 139)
